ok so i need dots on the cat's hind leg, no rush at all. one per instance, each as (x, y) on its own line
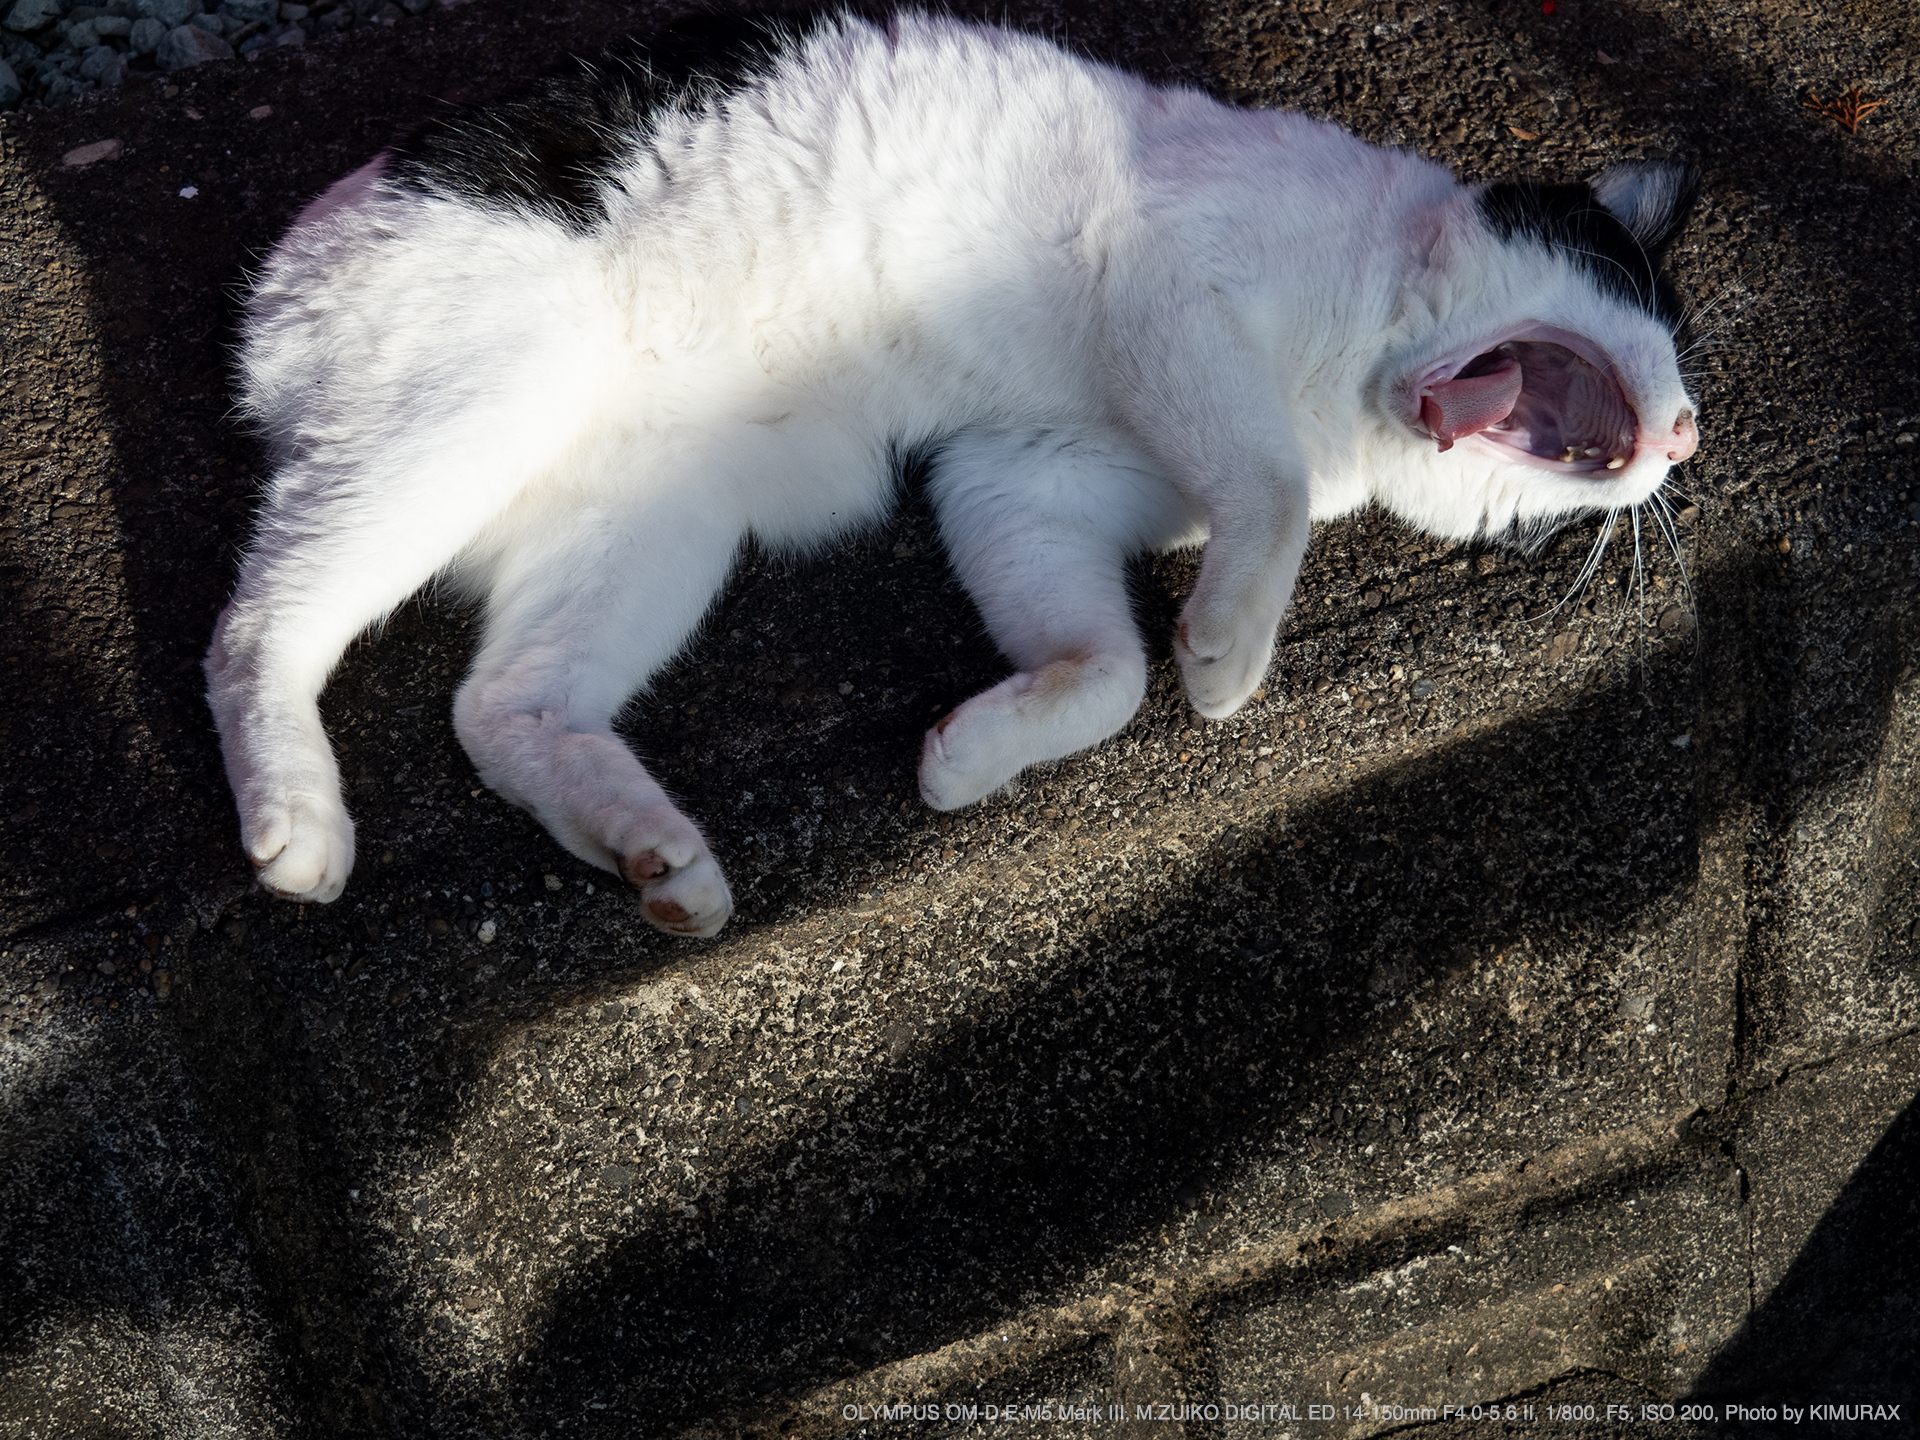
(333, 553)
(1040, 529)
(585, 606)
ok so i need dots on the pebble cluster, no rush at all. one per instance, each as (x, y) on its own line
(52, 50)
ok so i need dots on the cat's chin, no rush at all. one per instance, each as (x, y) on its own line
(1543, 397)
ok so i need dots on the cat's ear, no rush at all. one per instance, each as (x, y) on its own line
(1650, 197)
(1432, 232)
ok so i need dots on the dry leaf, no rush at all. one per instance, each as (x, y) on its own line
(1849, 109)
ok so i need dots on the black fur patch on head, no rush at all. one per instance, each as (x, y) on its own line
(551, 149)
(1571, 220)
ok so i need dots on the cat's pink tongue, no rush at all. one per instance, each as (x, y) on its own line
(1454, 409)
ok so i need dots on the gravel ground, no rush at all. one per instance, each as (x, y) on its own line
(52, 50)
(1509, 1006)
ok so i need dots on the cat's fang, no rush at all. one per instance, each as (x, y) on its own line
(1615, 463)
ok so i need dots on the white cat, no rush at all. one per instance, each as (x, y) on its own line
(572, 351)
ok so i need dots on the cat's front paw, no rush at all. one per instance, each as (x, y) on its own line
(301, 848)
(966, 757)
(1220, 672)
(685, 898)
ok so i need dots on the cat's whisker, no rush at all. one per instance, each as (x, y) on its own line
(1638, 580)
(1664, 517)
(1590, 568)
(1671, 485)
(1697, 311)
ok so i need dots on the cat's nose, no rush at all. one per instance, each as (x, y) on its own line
(1685, 438)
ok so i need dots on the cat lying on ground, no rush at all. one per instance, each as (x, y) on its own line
(571, 351)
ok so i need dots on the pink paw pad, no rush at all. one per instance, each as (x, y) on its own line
(667, 912)
(645, 866)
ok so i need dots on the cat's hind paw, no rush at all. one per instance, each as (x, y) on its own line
(300, 849)
(690, 898)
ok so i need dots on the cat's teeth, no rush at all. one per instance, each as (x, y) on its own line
(1615, 463)
(1594, 452)
(1569, 455)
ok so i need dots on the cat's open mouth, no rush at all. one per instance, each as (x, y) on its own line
(1548, 398)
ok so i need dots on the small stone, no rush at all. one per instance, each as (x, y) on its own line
(400, 994)
(1373, 599)
(29, 15)
(212, 24)
(10, 87)
(553, 882)
(248, 12)
(293, 12)
(81, 36)
(1677, 620)
(189, 45)
(1422, 689)
(64, 87)
(486, 932)
(168, 12)
(106, 967)
(846, 687)
(616, 1177)
(83, 155)
(260, 112)
(105, 66)
(112, 27)
(146, 35)
(474, 1300)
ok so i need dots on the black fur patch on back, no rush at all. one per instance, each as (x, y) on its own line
(551, 149)
(1569, 219)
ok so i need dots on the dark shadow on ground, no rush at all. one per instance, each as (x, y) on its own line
(1839, 1328)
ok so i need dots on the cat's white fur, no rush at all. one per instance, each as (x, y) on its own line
(1129, 318)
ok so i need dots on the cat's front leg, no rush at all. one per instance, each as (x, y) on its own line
(1224, 641)
(1039, 528)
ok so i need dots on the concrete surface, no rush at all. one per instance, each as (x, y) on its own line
(1544, 1040)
